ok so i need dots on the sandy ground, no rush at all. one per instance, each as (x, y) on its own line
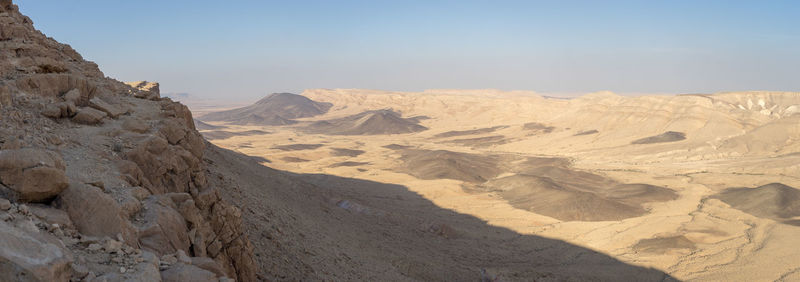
(730, 143)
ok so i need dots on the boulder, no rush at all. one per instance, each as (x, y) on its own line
(52, 111)
(33, 175)
(95, 213)
(4, 204)
(29, 256)
(186, 272)
(112, 111)
(164, 229)
(73, 96)
(208, 264)
(135, 125)
(60, 110)
(89, 116)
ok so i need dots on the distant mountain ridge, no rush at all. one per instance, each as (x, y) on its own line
(274, 109)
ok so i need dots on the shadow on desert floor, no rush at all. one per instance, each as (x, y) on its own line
(317, 226)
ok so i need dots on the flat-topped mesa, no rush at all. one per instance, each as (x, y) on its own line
(102, 179)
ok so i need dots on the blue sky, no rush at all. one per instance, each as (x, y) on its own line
(242, 50)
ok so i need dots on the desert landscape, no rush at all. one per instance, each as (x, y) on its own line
(701, 187)
(103, 180)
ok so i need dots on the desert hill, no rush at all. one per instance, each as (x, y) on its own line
(367, 123)
(275, 109)
(774, 200)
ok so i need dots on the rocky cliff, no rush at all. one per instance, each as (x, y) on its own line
(100, 179)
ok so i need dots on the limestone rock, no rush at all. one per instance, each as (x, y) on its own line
(164, 229)
(55, 84)
(73, 96)
(112, 111)
(89, 116)
(60, 110)
(26, 256)
(95, 213)
(34, 175)
(208, 264)
(135, 125)
(168, 168)
(183, 258)
(5, 96)
(50, 215)
(145, 89)
(52, 111)
(130, 172)
(186, 272)
(4, 204)
(172, 131)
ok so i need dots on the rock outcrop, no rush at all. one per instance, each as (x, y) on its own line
(102, 179)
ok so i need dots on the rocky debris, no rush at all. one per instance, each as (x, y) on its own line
(27, 255)
(145, 89)
(89, 116)
(187, 272)
(51, 215)
(32, 175)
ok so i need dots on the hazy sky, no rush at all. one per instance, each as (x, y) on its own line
(241, 50)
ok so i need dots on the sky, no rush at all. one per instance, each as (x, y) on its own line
(244, 49)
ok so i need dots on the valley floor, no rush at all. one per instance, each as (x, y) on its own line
(448, 202)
